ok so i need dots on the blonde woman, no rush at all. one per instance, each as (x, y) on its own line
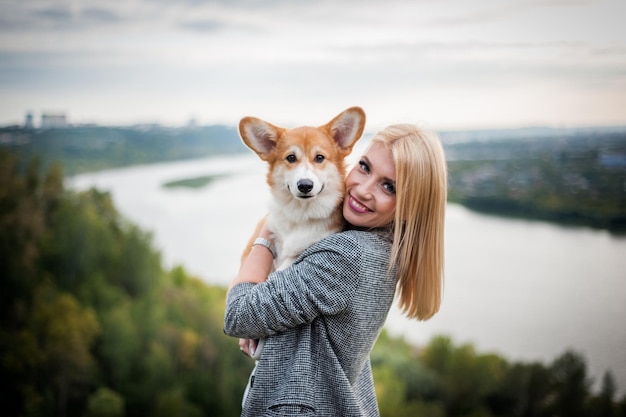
(322, 315)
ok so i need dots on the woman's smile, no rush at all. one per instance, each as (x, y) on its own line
(356, 205)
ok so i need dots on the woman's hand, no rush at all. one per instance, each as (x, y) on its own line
(248, 346)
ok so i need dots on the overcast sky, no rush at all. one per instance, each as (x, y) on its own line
(448, 64)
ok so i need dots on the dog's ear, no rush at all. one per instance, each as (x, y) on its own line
(347, 127)
(259, 135)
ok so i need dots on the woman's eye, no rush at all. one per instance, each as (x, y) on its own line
(389, 187)
(291, 158)
(319, 158)
(364, 167)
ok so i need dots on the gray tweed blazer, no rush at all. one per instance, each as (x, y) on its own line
(321, 318)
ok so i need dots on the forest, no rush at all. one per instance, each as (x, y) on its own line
(93, 325)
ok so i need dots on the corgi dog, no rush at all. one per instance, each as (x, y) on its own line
(306, 173)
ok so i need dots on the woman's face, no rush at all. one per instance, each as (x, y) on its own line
(371, 189)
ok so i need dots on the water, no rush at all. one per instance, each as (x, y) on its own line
(523, 289)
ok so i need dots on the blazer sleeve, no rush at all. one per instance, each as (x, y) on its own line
(320, 282)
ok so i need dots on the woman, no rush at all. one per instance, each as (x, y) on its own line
(322, 315)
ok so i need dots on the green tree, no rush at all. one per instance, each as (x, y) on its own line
(603, 405)
(82, 239)
(22, 224)
(119, 348)
(404, 386)
(173, 403)
(468, 379)
(105, 403)
(525, 391)
(570, 384)
(66, 332)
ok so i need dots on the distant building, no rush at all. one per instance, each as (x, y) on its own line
(53, 120)
(28, 123)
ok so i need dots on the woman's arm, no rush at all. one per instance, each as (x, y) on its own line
(254, 269)
(321, 282)
(258, 265)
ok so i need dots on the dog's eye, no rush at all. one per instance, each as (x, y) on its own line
(291, 158)
(319, 158)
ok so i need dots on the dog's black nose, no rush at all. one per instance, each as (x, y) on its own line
(305, 186)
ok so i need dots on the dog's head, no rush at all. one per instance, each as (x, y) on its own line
(305, 161)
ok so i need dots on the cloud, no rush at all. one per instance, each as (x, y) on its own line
(52, 16)
(56, 14)
(495, 11)
(98, 14)
(194, 53)
(204, 25)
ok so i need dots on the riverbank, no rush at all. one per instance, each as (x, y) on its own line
(564, 176)
(573, 180)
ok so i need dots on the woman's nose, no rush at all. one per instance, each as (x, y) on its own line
(364, 190)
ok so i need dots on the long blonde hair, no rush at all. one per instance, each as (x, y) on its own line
(418, 232)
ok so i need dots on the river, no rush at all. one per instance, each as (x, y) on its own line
(526, 290)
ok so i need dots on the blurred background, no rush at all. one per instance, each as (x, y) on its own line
(127, 196)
